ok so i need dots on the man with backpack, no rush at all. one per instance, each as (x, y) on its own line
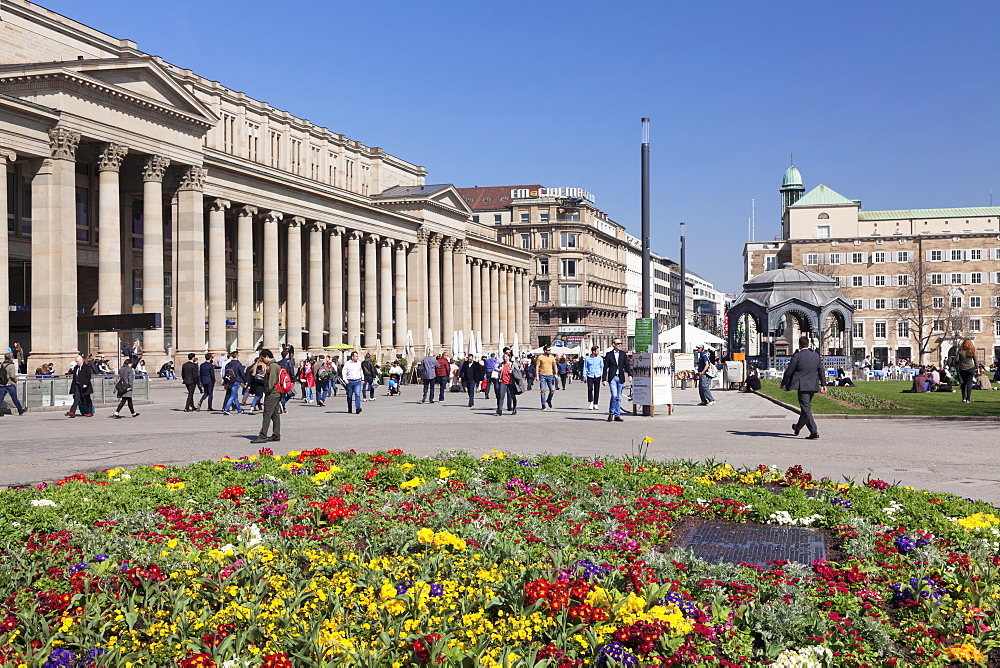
(288, 364)
(428, 374)
(323, 378)
(276, 383)
(8, 382)
(233, 377)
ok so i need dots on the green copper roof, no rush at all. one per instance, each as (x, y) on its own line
(908, 214)
(792, 179)
(822, 196)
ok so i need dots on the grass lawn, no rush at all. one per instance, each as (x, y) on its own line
(869, 394)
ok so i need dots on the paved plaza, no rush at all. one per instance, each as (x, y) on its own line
(958, 457)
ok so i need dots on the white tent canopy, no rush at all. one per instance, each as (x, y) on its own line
(693, 337)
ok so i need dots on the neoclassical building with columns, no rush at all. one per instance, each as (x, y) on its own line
(135, 186)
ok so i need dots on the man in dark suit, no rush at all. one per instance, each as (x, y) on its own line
(189, 376)
(617, 368)
(805, 375)
(206, 378)
(83, 388)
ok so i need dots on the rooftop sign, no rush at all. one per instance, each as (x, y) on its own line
(527, 193)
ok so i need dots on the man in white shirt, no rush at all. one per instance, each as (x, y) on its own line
(353, 375)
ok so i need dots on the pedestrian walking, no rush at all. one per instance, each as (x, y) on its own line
(529, 372)
(967, 365)
(370, 373)
(123, 388)
(271, 415)
(804, 374)
(206, 379)
(8, 382)
(511, 384)
(308, 379)
(323, 380)
(705, 373)
(617, 369)
(83, 386)
(189, 376)
(472, 373)
(353, 376)
(334, 375)
(288, 364)
(428, 374)
(443, 373)
(492, 377)
(233, 378)
(593, 374)
(563, 368)
(545, 368)
(257, 375)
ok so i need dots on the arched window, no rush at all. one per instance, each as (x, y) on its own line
(824, 216)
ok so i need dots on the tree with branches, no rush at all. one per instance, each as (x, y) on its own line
(916, 305)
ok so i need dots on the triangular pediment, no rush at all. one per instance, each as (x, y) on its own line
(142, 80)
(450, 197)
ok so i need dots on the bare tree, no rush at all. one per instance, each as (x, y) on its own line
(920, 302)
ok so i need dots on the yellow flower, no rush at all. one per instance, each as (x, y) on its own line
(648, 439)
(425, 536)
(294, 453)
(406, 466)
(978, 521)
(412, 484)
(965, 652)
(174, 486)
(445, 472)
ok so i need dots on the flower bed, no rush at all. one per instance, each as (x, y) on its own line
(314, 559)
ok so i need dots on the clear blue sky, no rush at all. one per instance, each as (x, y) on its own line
(893, 103)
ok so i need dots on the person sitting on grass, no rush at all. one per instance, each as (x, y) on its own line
(921, 382)
(982, 380)
(843, 380)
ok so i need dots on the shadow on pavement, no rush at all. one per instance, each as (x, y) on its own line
(761, 433)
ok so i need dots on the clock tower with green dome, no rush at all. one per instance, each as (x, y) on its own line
(791, 189)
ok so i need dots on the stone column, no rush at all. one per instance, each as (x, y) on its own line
(314, 307)
(5, 156)
(293, 274)
(272, 338)
(245, 339)
(504, 321)
(401, 296)
(448, 293)
(53, 254)
(518, 306)
(511, 317)
(335, 299)
(463, 311)
(385, 292)
(109, 252)
(416, 292)
(434, 288)
(526, 309)
(371, 290)
(354, 288)
(477, 296)
(189, 330)
(484, 298)
(153, 169)
(217, 275)
(494, 304)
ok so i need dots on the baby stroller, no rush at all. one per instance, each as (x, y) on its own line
(394, 386)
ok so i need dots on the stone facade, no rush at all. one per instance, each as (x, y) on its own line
(136, 186)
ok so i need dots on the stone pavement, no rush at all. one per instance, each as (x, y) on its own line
(958, 457)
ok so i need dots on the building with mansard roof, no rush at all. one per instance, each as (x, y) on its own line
(135, 186)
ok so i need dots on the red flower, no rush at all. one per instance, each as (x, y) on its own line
(233, 493)
(197, 661)
(395, 452)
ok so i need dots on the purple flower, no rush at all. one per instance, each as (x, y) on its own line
(592, 570)
(76, 568)
(527, 462)
(437, 590)
(60, 658)
(905, 544)
(101, 557)
(843, 503)
(619, 653)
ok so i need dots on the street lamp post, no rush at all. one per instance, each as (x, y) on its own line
(683, 295)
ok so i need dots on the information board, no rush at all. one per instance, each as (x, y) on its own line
(683, 362)
(645, 335)
(651, 381)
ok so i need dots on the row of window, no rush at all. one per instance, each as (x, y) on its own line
(896, 280)
(567, 240)
(568, 267)
(963, 255)
(880, 328)
(937, 303)
(878, 257)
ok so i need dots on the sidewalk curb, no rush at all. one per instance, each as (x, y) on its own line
(845, 416)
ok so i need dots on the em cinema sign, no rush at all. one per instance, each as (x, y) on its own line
(526, 193)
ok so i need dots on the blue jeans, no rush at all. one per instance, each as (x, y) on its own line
(354, 390)
(471, 387)
(704, 393)
(615, 385)
(233, 399)
(307, 392)
(443, 381)
(546, 383)
(11, 390)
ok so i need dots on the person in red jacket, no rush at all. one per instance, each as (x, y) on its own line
(443, 373)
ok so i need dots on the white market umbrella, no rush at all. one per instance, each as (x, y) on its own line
(461, 343)
(429, 342)
(692, 337)
(516, 348)
(500, 347)
(408, 347)
(480, 349)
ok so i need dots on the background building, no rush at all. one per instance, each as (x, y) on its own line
(920, 280)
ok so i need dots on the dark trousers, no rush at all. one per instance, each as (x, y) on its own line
(562, 377)
(443, 382)
(125, 400)
(207, 394)
(272, 414)
(471, 389)
(87, 404)
(189, 406)
(429, 387)
(806, 416)
(968, 377)
(593, 390)
(506, 391)
(491, 383)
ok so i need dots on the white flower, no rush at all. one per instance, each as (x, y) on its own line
(807, 657)
(43, 502)
(15, 524)
(250, 536)
(192, 501)
(784, 517)
(124, 476)
(236, 663)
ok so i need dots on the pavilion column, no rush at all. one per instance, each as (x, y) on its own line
(53, 254)
(416, 289)
(245, 339)
(495, 304)
(401, 296)
(335, 298)
(109, 252)
(448, 293)
(502, 304)
(511, 316)
(434, 288)
(5, 156)
(484, 298)
(272, 337)
(314, 310)
(477, 296)
(217, 275)
(463, 310)
(385, 292)
(293, 293)
(153, 169)
(354, 288)
(518, 306)
(371, 290)
(526, 308)
(189, 331)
